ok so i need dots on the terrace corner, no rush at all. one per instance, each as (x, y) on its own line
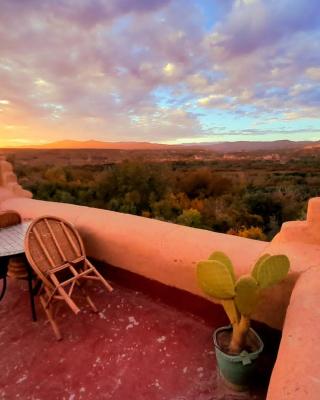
(167, 253)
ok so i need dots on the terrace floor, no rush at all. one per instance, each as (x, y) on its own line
(136, 347)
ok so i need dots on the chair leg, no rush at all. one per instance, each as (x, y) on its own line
(65, 296)
(88, 298)
(104, 282)
(48, 311)
(91, 303)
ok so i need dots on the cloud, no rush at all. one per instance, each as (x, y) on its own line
(253, 24)
(313, 73)
(130, 69)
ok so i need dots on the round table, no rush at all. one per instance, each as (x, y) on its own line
(12, 244)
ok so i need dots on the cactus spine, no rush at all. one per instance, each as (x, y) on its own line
(239, 297)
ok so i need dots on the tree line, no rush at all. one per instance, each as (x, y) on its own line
(249, 201)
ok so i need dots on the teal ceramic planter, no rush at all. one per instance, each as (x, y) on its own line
(238, 370)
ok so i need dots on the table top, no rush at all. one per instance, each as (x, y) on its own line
(12, 239)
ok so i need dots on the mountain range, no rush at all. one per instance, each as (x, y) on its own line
(224, 147)
(96, 144)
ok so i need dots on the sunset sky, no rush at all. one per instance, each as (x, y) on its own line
(159, 70)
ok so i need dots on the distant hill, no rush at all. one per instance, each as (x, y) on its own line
(315, 145)
(96, 144)
(221, 147)
(247, 146)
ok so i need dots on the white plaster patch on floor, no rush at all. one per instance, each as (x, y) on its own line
(157, 384)
(161, 339)
(129, 326)
(102, 316)
(185, 369)
(23, 378)
(97, 362)
(133, 321)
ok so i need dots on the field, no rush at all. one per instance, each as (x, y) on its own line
(246, 194)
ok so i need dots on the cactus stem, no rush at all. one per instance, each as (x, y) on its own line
(239, 335)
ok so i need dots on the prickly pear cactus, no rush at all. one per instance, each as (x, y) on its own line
(225, 260)
(260, 260)
(247, 292)
(239, 297)
(272, 270)
(215, 279)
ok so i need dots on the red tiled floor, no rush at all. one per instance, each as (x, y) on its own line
(134, 348)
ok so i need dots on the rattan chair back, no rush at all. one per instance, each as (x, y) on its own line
(51, 242)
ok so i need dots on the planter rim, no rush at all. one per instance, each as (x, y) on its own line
(239, 357)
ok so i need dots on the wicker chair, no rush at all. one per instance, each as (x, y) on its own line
(56, 253)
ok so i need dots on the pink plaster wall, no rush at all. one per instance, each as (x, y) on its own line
(168, 252)
(158, 250)
(296, 375)
(8, 180)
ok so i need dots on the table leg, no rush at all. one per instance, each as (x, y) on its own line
(4, 286)
(3, 274)
(31, 294)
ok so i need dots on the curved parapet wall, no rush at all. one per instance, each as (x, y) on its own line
(168, 252)
(296, 373)
(158, 250)
(9, 186)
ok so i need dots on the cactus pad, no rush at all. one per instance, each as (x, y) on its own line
(272, 270)
(215, 279)
(254, 272)
(224, 259)
(247, 292)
